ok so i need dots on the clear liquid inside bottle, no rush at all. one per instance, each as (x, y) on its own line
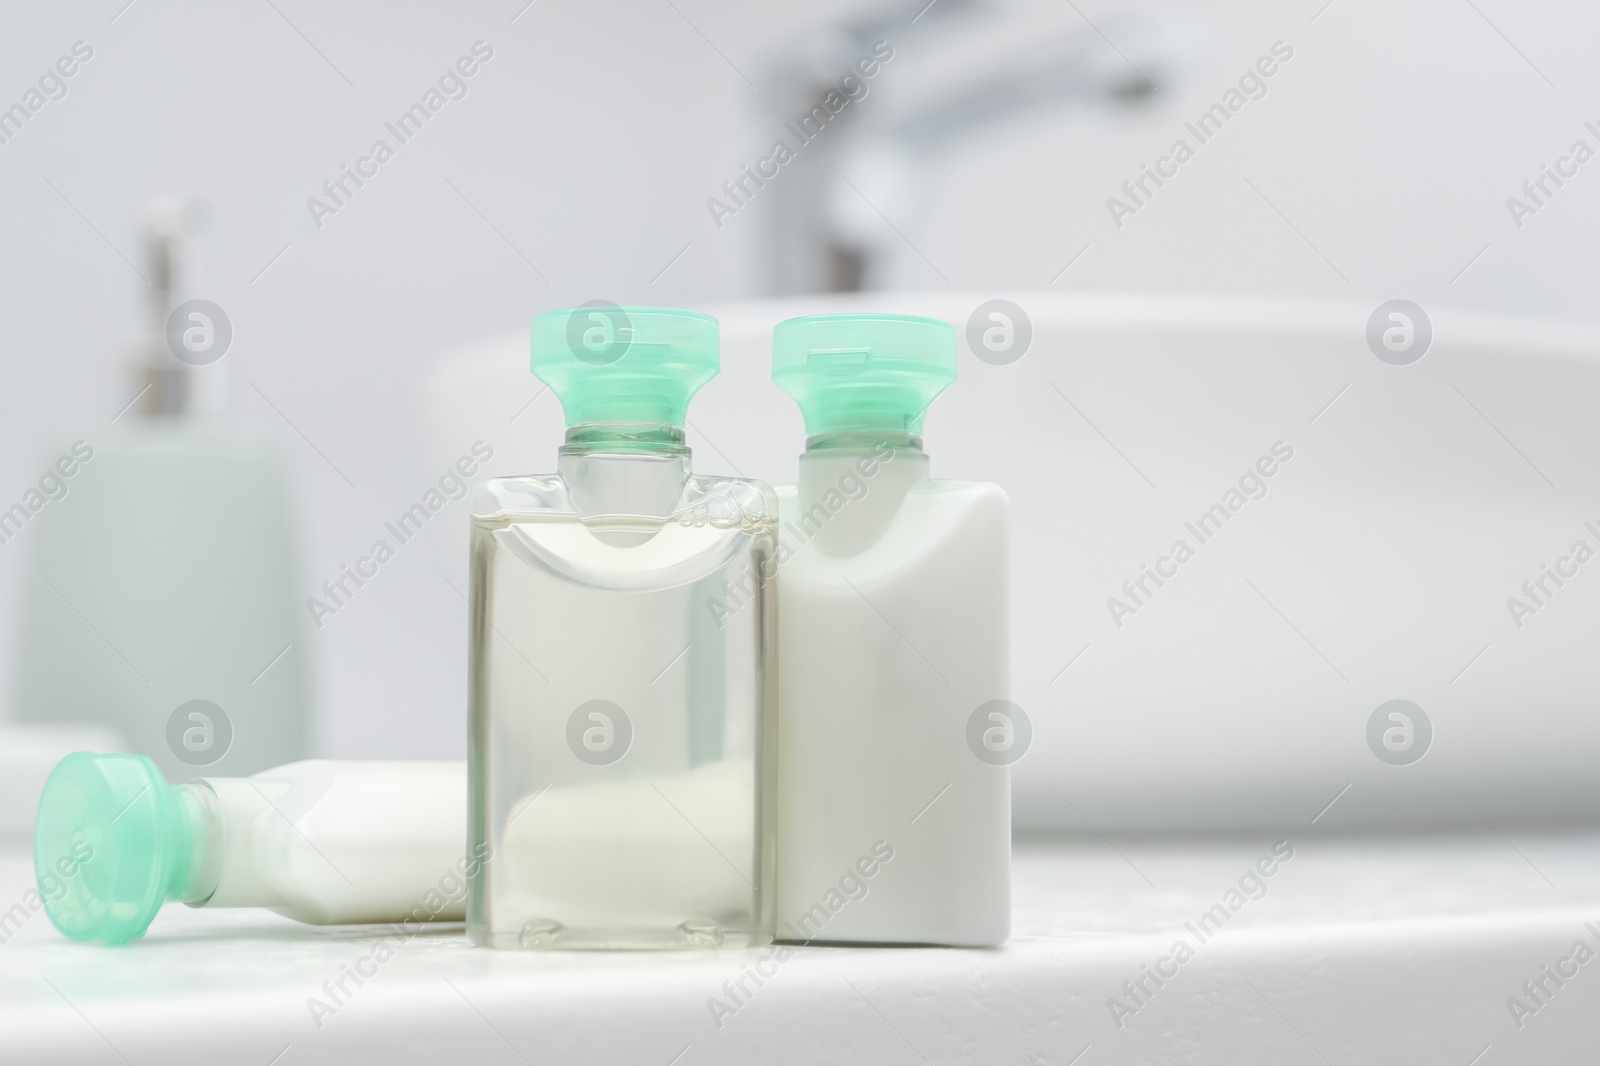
(622, 670)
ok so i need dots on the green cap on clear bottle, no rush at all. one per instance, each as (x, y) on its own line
(863, 373)
(112, 842)
(625, 365)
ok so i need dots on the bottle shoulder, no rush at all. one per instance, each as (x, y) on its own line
(755, 498)
(702, 496)
(365, 769)
(929, 518)
(938, 492)
(965, 493)
(521, 493)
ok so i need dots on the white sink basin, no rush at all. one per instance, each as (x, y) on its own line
(1377, 567)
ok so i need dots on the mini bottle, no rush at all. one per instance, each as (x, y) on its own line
(894, 789)
(323, 842)
(621, 662)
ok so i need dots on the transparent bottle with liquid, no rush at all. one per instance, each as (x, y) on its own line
(896, 730)
(622, 662)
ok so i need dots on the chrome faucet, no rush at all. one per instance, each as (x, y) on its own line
(832, 213)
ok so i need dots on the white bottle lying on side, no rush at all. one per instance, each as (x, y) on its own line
(319, 841)
(895, 734)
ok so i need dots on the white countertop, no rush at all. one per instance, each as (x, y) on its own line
(1398, 949)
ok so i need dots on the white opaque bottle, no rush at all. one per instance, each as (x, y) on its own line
(323, 842)
(895, 734)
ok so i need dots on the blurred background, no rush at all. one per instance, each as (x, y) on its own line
(1188, 324)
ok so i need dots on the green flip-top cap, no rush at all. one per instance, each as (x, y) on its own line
(112, 842)
(627, 365)
(863, 373)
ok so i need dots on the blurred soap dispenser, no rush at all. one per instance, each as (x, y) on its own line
(162, 596)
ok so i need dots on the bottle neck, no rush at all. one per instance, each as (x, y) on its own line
(624, 468)
(864, 440)
(852, 486)
(624, 438)
(195, 881)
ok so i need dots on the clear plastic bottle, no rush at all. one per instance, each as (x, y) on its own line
(621, 662)
(323, 842)
(894, 668)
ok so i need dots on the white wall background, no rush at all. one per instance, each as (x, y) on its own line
(578, 167)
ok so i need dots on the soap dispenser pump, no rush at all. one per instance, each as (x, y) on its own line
(162, 594)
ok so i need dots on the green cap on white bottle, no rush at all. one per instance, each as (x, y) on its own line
(112, 842)
(863, 373)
